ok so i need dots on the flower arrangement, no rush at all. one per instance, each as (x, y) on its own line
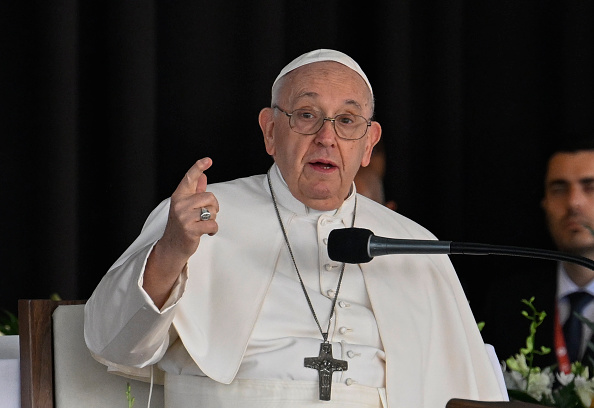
(528, 383)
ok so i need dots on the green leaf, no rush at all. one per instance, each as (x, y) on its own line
(9, 323)
(129, 395)
(566, 397)
(523, 396)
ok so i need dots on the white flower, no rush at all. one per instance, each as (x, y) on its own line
(540, 384)
(565, 379)
(536, 383)
(514, 380)
(584, 388)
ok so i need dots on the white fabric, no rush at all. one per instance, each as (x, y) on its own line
(79, 380)
(190, 391)
(10, 380)
(355, 339)
(434, 351)
(282, 333)
(499, 373)
(323, 55)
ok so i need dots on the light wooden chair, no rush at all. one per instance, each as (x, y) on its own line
(57, 369)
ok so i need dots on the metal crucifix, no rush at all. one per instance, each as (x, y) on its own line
(326, 365)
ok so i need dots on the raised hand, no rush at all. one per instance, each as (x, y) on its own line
(182, 233)
(184, 226)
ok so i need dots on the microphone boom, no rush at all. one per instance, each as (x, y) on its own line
(359, 245)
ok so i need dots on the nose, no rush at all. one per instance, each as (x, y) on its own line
(576, 197)
(326, 136)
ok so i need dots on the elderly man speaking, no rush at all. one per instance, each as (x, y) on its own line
(230, 291)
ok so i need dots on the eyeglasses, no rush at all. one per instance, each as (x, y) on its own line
(310, 121)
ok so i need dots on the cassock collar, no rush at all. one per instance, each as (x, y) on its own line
(285, 199)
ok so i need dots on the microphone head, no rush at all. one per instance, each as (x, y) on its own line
(349, 245)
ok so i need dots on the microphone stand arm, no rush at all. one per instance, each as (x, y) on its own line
(387, 246)
(466, 248)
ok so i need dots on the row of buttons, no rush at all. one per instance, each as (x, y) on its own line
(342, 330)
(350, 354)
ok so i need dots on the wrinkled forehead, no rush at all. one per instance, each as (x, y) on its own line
(321, 56)
(319, 83)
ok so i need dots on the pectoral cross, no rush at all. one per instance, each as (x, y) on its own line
(326, 365)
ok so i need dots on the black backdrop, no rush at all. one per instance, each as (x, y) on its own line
(104, 106)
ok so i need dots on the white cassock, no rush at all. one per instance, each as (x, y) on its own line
(238, 312)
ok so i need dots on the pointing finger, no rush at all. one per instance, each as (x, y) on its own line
(195, 180)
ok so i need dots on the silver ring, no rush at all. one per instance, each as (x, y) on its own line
(204, 214)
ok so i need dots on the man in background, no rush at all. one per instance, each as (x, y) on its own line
(560, 289)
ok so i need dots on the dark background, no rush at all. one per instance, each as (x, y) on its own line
(105, 105)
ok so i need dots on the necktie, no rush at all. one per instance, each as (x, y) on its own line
(572, 329)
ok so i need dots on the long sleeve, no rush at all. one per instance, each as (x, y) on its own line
(122, 324)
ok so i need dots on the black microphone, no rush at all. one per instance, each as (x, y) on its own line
(359, 245)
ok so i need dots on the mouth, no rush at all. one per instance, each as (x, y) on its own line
(323, 165)
(577, 224)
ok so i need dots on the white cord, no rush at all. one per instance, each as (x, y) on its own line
(151, 388)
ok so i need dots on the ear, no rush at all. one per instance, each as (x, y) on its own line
(374, 133)
(266, 121)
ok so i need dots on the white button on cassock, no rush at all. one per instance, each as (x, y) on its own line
(350, 381)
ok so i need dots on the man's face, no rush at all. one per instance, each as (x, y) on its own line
(569, 201)
(319, 169)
